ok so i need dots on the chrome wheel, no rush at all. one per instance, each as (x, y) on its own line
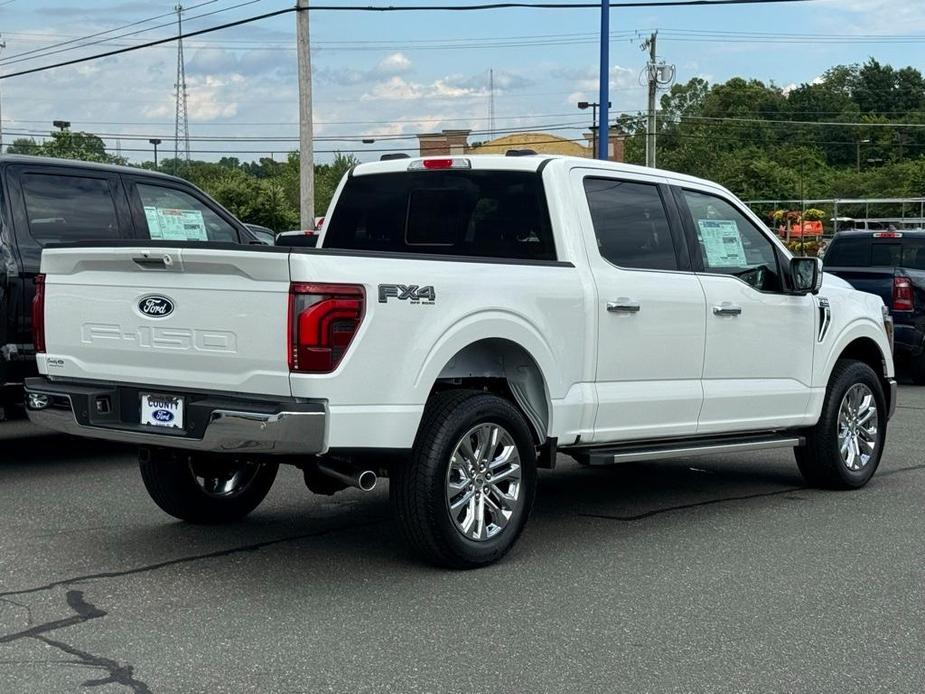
(857, 427)
(483, 482)
(223, 481)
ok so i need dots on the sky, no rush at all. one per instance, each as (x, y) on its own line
(389, 76)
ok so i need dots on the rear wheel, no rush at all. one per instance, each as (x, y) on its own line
(843, 450)
(464, 497)
(204, 489)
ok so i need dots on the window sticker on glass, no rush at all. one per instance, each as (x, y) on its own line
(176, 225)
(722, 243)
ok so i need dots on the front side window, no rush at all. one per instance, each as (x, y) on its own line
(729, 244)
(630, 224)
(63, 209)
(174, 215)
(491, 214)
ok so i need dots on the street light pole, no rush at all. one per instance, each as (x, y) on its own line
(584, 106)
(155, 141)
(603, 141)
(861, 142)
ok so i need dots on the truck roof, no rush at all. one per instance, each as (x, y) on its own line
(79, 164)
(531, 162)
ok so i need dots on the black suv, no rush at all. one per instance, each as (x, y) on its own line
(46, 201)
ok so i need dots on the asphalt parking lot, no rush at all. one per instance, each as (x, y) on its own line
(712, 574)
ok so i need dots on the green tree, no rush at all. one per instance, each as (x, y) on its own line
(65, 144)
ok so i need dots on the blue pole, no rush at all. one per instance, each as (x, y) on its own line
(603, 140)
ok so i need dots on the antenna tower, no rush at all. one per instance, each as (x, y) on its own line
(181, 132)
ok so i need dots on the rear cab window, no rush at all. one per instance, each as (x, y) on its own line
(901, 252)
(631, 224)
(476, 213)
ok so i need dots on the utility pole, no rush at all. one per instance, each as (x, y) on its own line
(603, 139)
(653, 88)
(306, 126)
(2, 46)
(658, 74)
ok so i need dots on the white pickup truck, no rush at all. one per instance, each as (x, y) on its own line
(462, 320)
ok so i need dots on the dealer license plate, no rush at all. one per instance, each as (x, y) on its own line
(162, 411)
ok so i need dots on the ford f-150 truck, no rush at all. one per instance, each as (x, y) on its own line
(890, 264)
(462, 320)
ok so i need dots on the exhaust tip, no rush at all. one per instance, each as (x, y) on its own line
(367, 480)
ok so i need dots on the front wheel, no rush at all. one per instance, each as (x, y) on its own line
(464, 497)
(204, 489)
(843, 450)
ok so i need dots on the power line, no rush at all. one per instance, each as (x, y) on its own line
(573, 125)
(414, 8)
(103, 33)
(803, 122)
(45, 53)
(158, 42)
(327, 151)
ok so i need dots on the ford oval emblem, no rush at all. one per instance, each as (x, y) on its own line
(163, 416)
(155, 306)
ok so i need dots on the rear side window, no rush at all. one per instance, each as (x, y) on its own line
(62, 209)
(630, 224)
(492, 214)
(174, 215)
(910, 253)
(849, 251)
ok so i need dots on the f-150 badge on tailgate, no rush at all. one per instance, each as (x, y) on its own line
(156, 306)
(411, 292)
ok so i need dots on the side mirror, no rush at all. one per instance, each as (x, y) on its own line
(806, 275)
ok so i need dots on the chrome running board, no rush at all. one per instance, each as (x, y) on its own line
(659, 450)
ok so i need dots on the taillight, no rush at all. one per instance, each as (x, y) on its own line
(323, 318)
(38, 315)
(903, 297)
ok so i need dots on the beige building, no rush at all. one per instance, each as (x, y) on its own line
(454, 142)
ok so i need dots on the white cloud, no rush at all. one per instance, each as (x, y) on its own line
(873, 16)
(395, 64)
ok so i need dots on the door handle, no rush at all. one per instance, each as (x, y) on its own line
(727, 309)
(623, 306)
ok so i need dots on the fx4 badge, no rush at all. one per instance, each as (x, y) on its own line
(410, 292)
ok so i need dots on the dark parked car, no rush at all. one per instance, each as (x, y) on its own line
(265, 235)
(47, 201)
(892, 265)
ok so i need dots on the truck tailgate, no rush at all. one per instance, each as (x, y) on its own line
(873, 280)
(197, 318)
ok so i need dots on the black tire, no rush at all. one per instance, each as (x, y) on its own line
(418, 487)
(820, 460)
(917, 370)
(172, 483)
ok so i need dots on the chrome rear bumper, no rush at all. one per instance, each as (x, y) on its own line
(225, 425)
